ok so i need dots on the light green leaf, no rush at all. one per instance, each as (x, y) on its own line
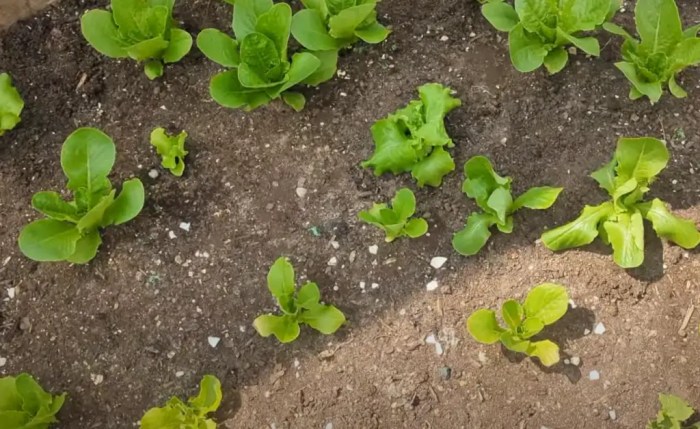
(303, 65)
(483, 326)
(539, 198)
(87, 157)
(127, 205)
(393, 150)
(209, 397)
(280, 278)
(475, 234)
(373, 33)
(527, 52)
(344, 24)
(148, 49)
(652, 90)
(499, 203)
(275, 23)
(432, 169)
(52, 205)
(556, 60)
(658, 24)
(547, 302)
(295, 100)
(605, 176)
(86, 248)
(404, 203)
(531, 327)
(583, 15)
(96, 216)
(219, 47)
(324, 318)
(512, 313)
(171, 149)
(501, 15)
(309, 29)
(641, 158)
(102, 33)
(40, 406)
(481, 180)
(687, 53)
(245, 16)
(514, 342)
(588, 45)
(258, 52)
(179, 45)
(11, 104)
(226, 89)
(308, 296)
(546, 351)
(680, 231)
(284, 328)
(416, 227)
(334, 7)
(48, 240)
(162, 418)
(437, 102)
(675, 88)
(625, 232)
(675, 407)
(617, 30)
(579, 232)
(537, 16)
(153, 69)
(327, 69)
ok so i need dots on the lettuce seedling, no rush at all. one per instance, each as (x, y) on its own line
(301, 306)
(620, 221)
(673, 414)
(190, 415)
(396, 221)
(11, 104)
(539, 31)
(259, 59)
(171, 149)
(142, 30)
(663, 51)
(413, 139)
(24, 404)
(493, 195)
(544, 305)
(331, 25)
(70, 231)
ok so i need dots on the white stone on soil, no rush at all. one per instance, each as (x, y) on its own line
(11, 292)
(185, 226)
(153, 174)
(333, 262)
(594, 375)
(172, 235)
(213, 341)
(431, 339)
(373, 249)
(301, 192)
(437, 262)
(432, 285)
(575, 360)
(3, 361)
(599, 329)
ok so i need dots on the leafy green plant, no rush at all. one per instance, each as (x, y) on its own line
(301, 306)
(25, 405)
(177, 414)
(674, 412)
(544, 305)
(493, 195)
(142, 30)
(413, 139)
(539, 31)
(663, 51)
(71, 230)
(620, 221)
(396, 220)
(171, 149)
(11, 104)
(259, 60)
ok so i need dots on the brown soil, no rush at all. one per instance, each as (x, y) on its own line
(143, 309)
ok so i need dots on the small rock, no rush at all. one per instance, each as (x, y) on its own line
(97, 378)
(445, 372)
(362, 285)
(329, 425)
(333, 262)
(170, 355)
(172, 235)
(437, 262)
(432, 285)
(375, 285)
(3, 361)
(301, 192)
(599, 329)
(482, 358)
(594, 375)
(373, 249)
(612, 414)
(444, 39)
(153, 174)
(213, 341)
(179, 374)
(586, 331)
(431, 339)
(335, 244)
(352, 256)
(185, 226)
(575, 360)
(10, 292)
(25, 324)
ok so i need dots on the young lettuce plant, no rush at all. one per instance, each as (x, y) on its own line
(24, 404)
(71, 230)
(539, 31)
(673, 414)
(620, 221)
(259, 60)
(171, 149)
(190, 415)
(663, 51)
(301, 306)
(396, 221)
(142, 30)
(544, 305)
(11, 104)
(413, 139)
(493, 195)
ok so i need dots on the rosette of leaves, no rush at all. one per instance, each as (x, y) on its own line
(493, 195)
(171, 149)
(71, 230)
(11, 104)
(413, 139)
(298, 307)
(190, 415)
(142, 30)
(663, 51)
(396, 221)
(539, 31)
(258, 57)
(620, 221)
(544, 305)
(24, 404)
(673, 414)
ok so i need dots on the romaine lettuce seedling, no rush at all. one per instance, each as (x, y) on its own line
(190, 415)
(171, 149)
(664, 50)
(413, 139)
(11, 104)
(24, 404)
(493, 195)
(544, 305)
(673, 414)
(539, 31)
(259, 58)
(71, 230)
(396, 220)
(301, 306)
(620, 221)
(142, 30)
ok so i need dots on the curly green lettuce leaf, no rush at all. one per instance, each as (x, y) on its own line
(11, 104)
(396, 220)
(25, 404)
(171, 149)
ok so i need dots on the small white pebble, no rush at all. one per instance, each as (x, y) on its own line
(213, 341)
(432, 285)
(599, 329)
(437, 262)
(444, 39)
(301, 192)
(572, 304)
(171, 355)
(97, 378)
(153, 174)
(373, 249)
(586, 331)
(241, 328)
(3, 361)
(333, 262)
(335, 245)
(11, 292)
(375, 285)
(328, 426)
(362, 285)
(185, 226)
(567, 361)
(179, 374)
(594, 375)
(172, 235)
(612, 414)
(575, 360)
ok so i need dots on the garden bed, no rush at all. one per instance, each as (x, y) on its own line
(131, 328)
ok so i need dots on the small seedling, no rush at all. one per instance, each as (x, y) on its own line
(493, 195)
(24, 404)
(673, 414)
(171, 149)
(620, 221)
(11, 104)
(413, 139)
(190, 415)
(143, 30)
(396, 220)
(539, 31)
(301, 306)
(663, 51)
(71, 231)
(544, 305)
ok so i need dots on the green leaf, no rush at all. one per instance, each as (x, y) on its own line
(652, 90)
(625, 232)
(327, 69)
(295, 100)
(153, 69)
(393, 150)
(309, 29)
(675, 407)
(617, 30)
(148, 49)
(179, 45)
(658, 24)
(527, 52)
(546, 351)
(167, 417)
(245, 15)
(432, 169)
(475, 234)
(308, 296)
(514, 342)
(284, 328)
(226, 89)
(275, 23)
(481, 180)
(219, 47)
(605, 176)
(676, 89)
(102, 33)
(280, 278)
(539, 198)
(96, 216)
(334, 7)
(531, 327)
(38, 406)
(437, 103)
(87, 157)
(483, 326)
(588, 45)
(258, 52)
(501, 15)
(127, 205)
(416, 227)
(209, 397)
(537, 16)
(9, 397)
(680, 231)
(324, 318)
(499, 203)
(86, 248)
(303, 65)
(584, 15)
(404, 203)
(547, 302)
(373, 33)
(556, 60)
(512, 313)
(48, 240)
(344, 24)
(640, 158)
(52, 205)
(11, 104)
(171, 149)
(579, 232)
